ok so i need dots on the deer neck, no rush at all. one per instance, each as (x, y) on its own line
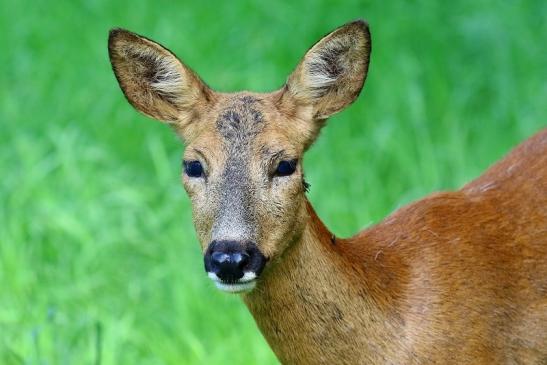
(313, 301)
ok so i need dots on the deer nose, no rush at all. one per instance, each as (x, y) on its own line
(227, 260)
(229, 266)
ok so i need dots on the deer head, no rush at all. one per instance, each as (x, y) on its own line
(242, 163)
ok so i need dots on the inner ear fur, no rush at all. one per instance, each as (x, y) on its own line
(154, 80)
(332, 73)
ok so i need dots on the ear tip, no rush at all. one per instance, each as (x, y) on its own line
(361, 25)
(360, 29)
(360, 22)
(115, 32)
(118, 34)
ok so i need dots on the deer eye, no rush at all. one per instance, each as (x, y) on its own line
(193, 168)
(286, 168)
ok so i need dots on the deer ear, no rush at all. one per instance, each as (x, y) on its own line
(332, 73)
(153, 79)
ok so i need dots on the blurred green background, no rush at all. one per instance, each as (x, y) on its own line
(98, 256)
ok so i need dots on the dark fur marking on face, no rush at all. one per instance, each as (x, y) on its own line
(257, 116)
(228, 124)
(248, 99)
(241, 121)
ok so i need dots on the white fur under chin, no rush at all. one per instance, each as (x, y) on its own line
(245, 284)
(236, 288)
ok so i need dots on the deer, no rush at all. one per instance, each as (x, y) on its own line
(458, 277)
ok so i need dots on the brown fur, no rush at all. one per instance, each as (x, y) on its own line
(455, 278)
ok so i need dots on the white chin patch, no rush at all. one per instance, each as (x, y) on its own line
(237, 287)
(245, 284)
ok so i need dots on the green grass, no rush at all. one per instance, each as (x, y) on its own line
(97, 249)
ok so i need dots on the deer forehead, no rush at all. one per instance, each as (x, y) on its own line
(244, 126)
(240, 120)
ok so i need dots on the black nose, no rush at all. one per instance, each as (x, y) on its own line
(227, 259)
(230, 260)
(229, 266)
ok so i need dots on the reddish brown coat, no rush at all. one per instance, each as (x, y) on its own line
(455, 278)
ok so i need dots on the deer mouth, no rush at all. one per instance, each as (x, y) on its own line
(242, 285)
